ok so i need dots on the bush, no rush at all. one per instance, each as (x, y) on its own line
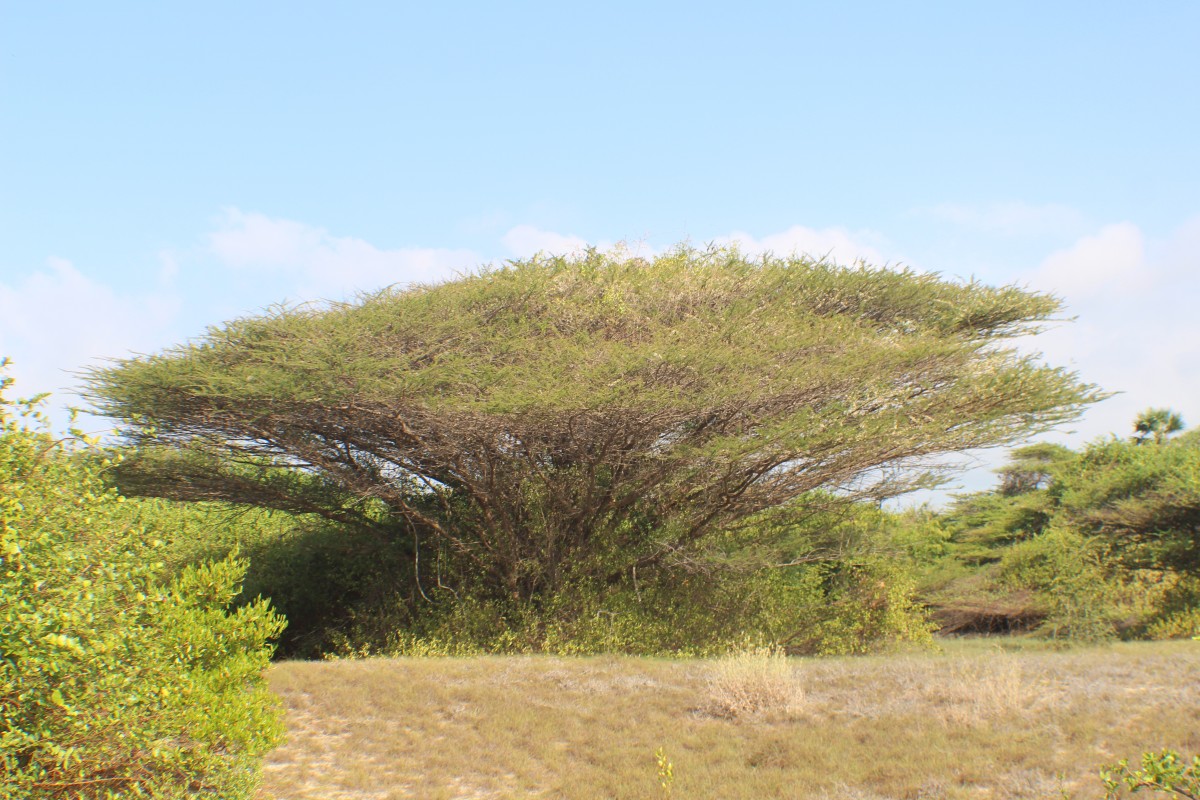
(852, 608)
(1083, 603)
(1161, 773)
(864, 608)
(833, 584)
(673, 614)
(1178, 615)
(325, 578)
(754, 681)
(115, 681)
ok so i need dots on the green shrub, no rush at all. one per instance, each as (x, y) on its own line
(1178, 614)
(837, 582)
(864, 608)
(323, 577)
(1161, 773)
(853, 609)
(1084, 605)
(114, 681)
(678, 614)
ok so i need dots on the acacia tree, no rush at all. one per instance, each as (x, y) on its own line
(589, 416)
(1031, 468)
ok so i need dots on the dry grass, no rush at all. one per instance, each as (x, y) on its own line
(756, 682)
(980, 725)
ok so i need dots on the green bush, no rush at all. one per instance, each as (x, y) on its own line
(836, 582)
(1178, 614)
(322, 576)
(1083, 604)
(818, 609)
(1142, 501)
(114, 680)
(682, 615)
(1165, 773)
(871, 609)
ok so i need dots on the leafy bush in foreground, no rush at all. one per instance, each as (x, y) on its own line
(1161, 773)
(114, 683)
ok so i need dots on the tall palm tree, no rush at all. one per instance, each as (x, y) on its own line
(1158, 423)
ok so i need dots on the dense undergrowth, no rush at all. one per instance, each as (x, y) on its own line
(351, 591)
(119, 677)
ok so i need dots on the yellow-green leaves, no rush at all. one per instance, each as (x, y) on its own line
(99, 688)
(685, 391)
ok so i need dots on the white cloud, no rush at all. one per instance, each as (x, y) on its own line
(321, 266)
(1011, 219)
(258, 241)
(1181, 255)
(1112, 260)
(58, 320)
(837, 243)
(524, 241)
(1136, 331)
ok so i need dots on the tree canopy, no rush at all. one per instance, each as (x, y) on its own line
(589, 415)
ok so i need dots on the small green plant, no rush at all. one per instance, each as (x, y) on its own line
(666, 771)
(1163, 773)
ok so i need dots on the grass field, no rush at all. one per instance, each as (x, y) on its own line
(973, 721)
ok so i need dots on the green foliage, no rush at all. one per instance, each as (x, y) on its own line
(694, 615)
(1143, 501)
(1161, 773)
(853, 583)
(114, 681)
(858, 608)
(1065, 567)
(572, 419)
(1095, 543)
(1156, 424)
(1020, 508)
(831, 583)
(324, 577)
(1177, 614)
(1032, 467)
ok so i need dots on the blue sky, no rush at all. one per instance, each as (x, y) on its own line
(167, 166)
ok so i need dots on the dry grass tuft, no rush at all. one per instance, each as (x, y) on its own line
(980, 691)
(753, 682)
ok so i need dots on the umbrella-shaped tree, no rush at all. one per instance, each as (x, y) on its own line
(590, 415)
